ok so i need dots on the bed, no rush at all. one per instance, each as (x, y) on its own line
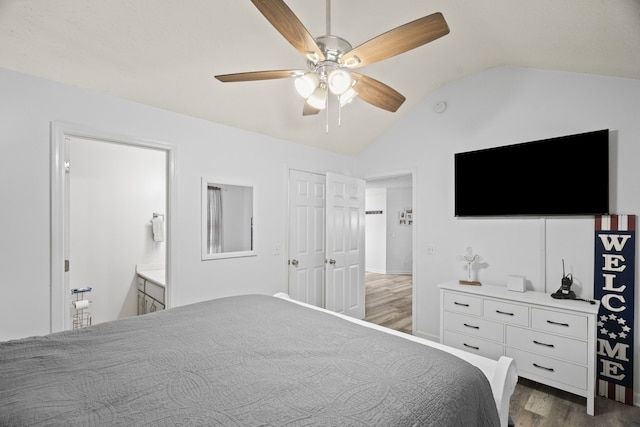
(251, 360)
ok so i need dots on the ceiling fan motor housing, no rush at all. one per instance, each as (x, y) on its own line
(333, 47)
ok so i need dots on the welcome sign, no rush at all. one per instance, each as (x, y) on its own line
(614, 274)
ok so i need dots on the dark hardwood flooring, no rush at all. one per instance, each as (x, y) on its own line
(388, 303)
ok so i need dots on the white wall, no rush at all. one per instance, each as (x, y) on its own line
(115, 189)
(389, 245)
(503, 106)
(399, 237)
(27, 107)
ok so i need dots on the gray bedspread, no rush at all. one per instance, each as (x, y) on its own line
(241, 361)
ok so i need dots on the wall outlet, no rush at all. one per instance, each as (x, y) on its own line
(431, 249)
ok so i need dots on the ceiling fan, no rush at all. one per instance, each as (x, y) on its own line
(331, 59)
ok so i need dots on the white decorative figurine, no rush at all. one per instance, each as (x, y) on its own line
(470, 258)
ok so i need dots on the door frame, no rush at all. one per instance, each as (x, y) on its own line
(59, 132)
(414, 273)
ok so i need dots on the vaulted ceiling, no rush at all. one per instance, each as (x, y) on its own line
(164, 53)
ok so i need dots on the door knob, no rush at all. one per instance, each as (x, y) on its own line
(332, 261)
(294, 262)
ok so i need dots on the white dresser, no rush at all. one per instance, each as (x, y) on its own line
(552, 341)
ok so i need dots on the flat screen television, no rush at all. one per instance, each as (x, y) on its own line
(567, 175)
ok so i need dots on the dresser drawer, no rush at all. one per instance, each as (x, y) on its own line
(463, 303)
(476, 326)
(571, 325)
(549, 368)
(475, 345)
(506, 312)
(140, 284)
(549, 345)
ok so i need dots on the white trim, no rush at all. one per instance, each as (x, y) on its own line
(59, 131)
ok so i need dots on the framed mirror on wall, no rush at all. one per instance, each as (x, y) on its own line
(227, 219)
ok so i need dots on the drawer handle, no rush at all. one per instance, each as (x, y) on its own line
(551, 322)
(471, 326)
(504, 312)
(542, 367)
(541, 343)
(459, 303)
(470, 346)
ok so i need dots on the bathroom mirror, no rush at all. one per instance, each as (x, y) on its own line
(227, 219)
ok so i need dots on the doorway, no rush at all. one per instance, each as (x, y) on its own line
(106, 193)
(390, 251)
(115, 192)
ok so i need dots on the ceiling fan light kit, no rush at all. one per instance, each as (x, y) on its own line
(339, 81)
(330, 59)
(306, 84)
(327, 75)
(348, 96)
(318, 98)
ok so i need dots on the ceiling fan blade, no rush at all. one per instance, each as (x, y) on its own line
(259, 75)
(308, 110)
(288, 24)
(399, 40)
(377, 93)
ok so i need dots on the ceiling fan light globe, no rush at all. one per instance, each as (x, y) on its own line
(306, 84)
(339, 81)
(318, 98)
(347, 96)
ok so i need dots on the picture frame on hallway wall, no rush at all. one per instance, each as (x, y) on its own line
(405, 217)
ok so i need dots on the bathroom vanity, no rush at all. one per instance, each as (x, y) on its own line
(152, 289)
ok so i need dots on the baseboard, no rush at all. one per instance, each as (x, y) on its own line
(375, 270)
(399, 272)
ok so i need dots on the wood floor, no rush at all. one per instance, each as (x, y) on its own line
(388, 303)
(537, 405)
(388, 299)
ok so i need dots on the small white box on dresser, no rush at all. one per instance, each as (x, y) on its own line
(552, 341)
(516, 283)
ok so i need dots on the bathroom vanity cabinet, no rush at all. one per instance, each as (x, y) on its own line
(152, 290)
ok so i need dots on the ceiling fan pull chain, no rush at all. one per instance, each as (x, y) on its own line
(327, 115)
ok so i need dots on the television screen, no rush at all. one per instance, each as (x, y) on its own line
(568, 175)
